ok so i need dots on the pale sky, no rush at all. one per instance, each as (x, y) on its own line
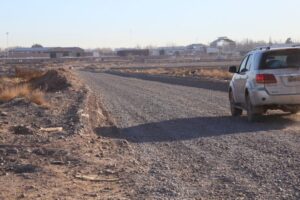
(128, 23)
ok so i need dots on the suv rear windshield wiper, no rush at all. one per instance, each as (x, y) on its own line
(293, 66)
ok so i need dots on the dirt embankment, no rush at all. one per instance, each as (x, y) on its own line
(51, 152)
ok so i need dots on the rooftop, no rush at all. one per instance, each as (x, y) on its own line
(46, 49)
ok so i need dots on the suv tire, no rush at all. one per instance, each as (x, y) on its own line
(251, 114)
(234, 111)
(294, 111)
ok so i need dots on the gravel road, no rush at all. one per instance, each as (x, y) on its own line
(188, 147)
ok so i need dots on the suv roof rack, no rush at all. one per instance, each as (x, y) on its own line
(262, 48)
(274, 47)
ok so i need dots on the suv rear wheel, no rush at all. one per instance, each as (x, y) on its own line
(234, 111)
(294, 111)
(251, 114)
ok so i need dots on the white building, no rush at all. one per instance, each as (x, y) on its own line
(225, 45)
(212, 50)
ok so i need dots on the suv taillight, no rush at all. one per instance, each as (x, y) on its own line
(265, 79)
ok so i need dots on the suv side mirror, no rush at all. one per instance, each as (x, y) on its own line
(244, 70)
(232, 69)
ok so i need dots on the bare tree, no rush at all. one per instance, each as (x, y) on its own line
(37, 46)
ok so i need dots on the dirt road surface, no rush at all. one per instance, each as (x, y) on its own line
(188, 147)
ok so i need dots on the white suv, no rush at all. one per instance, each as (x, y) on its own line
(268, 78)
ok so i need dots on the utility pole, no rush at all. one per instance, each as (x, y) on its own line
(7, 52)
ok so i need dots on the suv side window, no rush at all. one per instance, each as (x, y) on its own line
(249, 62)
(243, 64)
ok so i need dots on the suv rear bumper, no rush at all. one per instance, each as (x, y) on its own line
(261, 97)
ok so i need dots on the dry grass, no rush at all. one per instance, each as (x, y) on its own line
(19, 87)
(10, 93)
(28, 74)
(183, 72)
(214, 73)
(23, 91)
(8, 82)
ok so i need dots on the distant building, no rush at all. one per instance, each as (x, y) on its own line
(30, 53)
(133, 52)
(222, 41)
(193, 49)
(46, 52)
(224, 44)
(212, 50)
(196, 48)
(173, 51)
(96, 54)
(72, 52)
(156, 52)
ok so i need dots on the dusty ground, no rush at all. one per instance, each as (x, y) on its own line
(139, 136)
(72, 163)
(187, 146)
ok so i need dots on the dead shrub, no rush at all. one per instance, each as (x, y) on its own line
(51, 81)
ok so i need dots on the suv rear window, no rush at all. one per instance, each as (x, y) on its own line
(279, 59)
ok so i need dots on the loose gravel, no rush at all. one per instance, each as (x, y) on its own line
(187, 146)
